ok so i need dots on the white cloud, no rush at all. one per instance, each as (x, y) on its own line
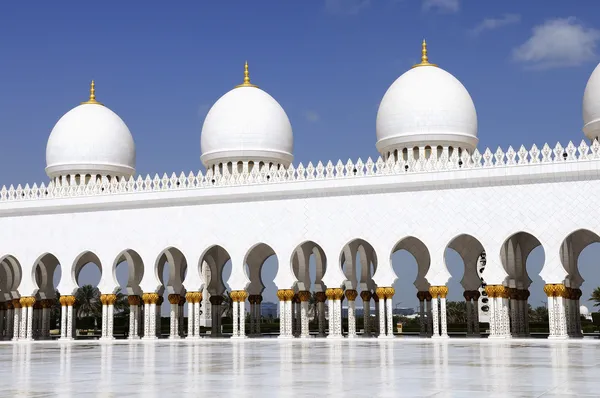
(558, 43)
(312, 116)
(346, 7)
(495, 23)
(441, 5)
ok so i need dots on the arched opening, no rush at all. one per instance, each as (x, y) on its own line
(261, 266)
(309, 264)
(216, 308)
(467, 302)
(410, 260)
(171, 268)
(358, 261)
(128, 271)
(87, 271)
(522, 257)
(46, 319)
(578, 254)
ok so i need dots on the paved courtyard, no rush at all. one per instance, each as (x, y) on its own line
(313, 368)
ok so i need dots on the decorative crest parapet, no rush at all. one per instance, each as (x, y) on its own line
(272, 175)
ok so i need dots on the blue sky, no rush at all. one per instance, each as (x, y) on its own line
(161, 66)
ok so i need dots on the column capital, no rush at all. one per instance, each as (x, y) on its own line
(16, 303)
(150, 298)
(108, 299)
(9, 305)
(241, 295)
(215, 299)
(380, 292)
(366, 295)
(493, 291)
(47, 303)
(182, 299)
(193, 297)
(555, 290)
(304, 295)
(134, 299)
(27, 301)
(68, 301)
(351, 294)
(321, 297)
(174, 299)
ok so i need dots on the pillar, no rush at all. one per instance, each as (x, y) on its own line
(9, 320)
(258, 316)
(295, 316)
(239, 313)
(215, 302)
(197, 321)
(157, 313)
(377, 324)
(304, 296)
(134, 316)
(26, 332)
(45, 322)
(499, 318)
(334, 296)
(285, 297)
(252, 301)
(108, 315)
(67, 331)
(577, 314)
(556, 310)
(433, 290)
(2, 320)
(17, 319)
(321, 297)
(422, 317)
(366, 295)
(150, 300)
(386, 319)
(389, 295)
(189, 297)
(475, 316)
(351, 295)
(180, 305)
(428, 311)
(467, 294)
(174, 316)
(525, 311)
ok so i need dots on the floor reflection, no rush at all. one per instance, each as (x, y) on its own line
(300, 368)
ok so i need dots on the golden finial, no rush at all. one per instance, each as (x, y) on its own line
(92, 99)
(246, 82)
(424, 58)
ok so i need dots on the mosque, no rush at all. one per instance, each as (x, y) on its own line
(431, 190)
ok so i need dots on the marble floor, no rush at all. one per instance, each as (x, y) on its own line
(313, 368)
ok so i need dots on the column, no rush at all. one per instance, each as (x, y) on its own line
(134, 302)
(334, 297)
(71, 330)
(258, 320)
(10, 309)
(189, 297)
(389, 294)
(27, 318)
(234, 299)
(513, 295)
(576, 298)
(321, 297)
(351, 295)
(525, 303)
(215, 302)
(469, 305)
(197, 321)
(23, 321)
(433, 290)
(45, 324)
(63, 317)
(556, 310)
(365, 295)
(110, 324)
(443, 292)
(2, 322)
(295, 321)
(304, 296)
(242, 296)
(174, 316)
(157, 311)
(499, 319)
(285, 297)
(428, 310)
(180, 305)
(377, 324)
(381, 311)
(104, 333)
(150, 300)
(422, 319)
(252, 302)
(475, 316)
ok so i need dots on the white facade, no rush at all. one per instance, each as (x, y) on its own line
(504, 202)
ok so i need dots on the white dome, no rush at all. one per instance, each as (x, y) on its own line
(90, 139)
(591, 106)
(426, 106)
(246, 124)
(583, 310)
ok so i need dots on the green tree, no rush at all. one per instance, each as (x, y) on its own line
(227, 306)
(122, 304)
(538, 315)
(596, 297)
(456, 311)
(88, 302)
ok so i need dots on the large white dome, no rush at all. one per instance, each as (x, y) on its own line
(426, 106)
(591, 106)
(90, 139)
(246, 124)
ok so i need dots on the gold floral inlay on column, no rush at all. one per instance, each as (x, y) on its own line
(433, 290)
(366, 295)
(134, 300)
(351, 294)
(304, 295)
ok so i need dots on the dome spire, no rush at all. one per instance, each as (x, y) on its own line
(246, 82)
(92, 99)
(424, 58)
